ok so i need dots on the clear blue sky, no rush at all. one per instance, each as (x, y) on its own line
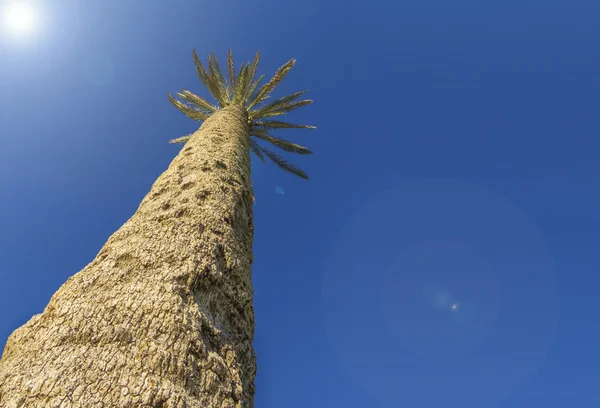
(444, 252)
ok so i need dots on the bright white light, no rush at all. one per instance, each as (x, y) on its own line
(454, 307)
(20, 18)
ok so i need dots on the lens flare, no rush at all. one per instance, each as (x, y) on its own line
(20, 18)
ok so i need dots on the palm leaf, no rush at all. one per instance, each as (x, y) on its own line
(254, 65)
(215, 71)
(216, 68)
(181, 140)
(256, 149)
(267, 88)
(280, 143)
(241, 86)
(252, 92)
(197, 101)
(252, 74)
(189, 112)
(284, 100)
(275, 124)
(231, 70)
(207, 80)
(287, 108)
(282, 163)
(279, 110)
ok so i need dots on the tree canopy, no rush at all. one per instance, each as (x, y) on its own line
(244, 89)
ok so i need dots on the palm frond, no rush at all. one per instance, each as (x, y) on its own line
(252, 75)
(279, 142)
(254, 65)
(239, 74)
(189, 112)
(278, 108)
(215, 72)
(276, 124)
(197, 101)
(231, 71)
(256, 149)
(267, 88)
(209, 82)
(181, 140)
(241, 86)
(285, 109)
(282, 163)
(252, 91)
(281, 101)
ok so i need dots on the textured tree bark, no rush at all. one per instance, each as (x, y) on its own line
(163, 316)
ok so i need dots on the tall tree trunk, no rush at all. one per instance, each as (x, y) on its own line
(163, 316)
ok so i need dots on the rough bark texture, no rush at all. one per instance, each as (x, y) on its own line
(163, 316)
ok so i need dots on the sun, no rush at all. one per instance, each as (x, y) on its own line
(19, 18)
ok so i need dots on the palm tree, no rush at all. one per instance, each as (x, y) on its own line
(163, 316)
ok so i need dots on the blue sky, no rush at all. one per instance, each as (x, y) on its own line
(444, 252)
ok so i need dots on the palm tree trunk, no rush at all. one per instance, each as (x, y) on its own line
(163, 316)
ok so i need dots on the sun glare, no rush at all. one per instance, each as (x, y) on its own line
(19, 18)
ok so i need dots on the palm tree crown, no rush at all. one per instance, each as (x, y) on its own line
(244, 89)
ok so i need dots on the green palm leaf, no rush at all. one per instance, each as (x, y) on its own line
(280, 143)
(231, 70)
(282, 163)
(252, 92)
(266, 89)
(197, 101)
(284, 100)
(276, 124)
(181, 140)
(241, 86)
(209, 82)
(254, 65)
(251, 76)
(279, 110)
(189, 112)
(215, 72)
(256, 149)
